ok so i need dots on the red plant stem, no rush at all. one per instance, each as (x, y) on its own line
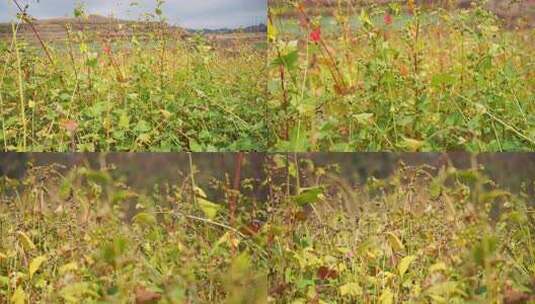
(23, 11)
(416, 59)
(236, 187)
(333, 61)
(285, 100)
(415, 51)
(114, 64)
(333, 68)
(285, 104)
(71, 53)
(337, 74)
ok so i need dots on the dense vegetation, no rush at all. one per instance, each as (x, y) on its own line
(85, 237)
(130, 86)
(400, 76)
(421, 235)
(450, 237)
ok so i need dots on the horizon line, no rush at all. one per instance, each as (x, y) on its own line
(113, 16)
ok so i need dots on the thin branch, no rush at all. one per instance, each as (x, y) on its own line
(217, 224)
(235, 186)
(32, 26)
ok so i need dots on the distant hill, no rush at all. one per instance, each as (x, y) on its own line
(56, 28)
(260, 28)
(109, 27)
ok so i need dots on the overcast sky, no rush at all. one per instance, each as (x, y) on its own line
(194, 14)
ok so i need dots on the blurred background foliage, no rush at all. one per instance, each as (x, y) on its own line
(511, 170)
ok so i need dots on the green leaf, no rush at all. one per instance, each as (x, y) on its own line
(144, 219)
(411, 145)
(485, 64)
(225, 239)
(241, 265)
(443, 289)
(4, 281)
(69, 267)
(124, 121)
(395, 242)
(19, 296)
(65, 189)
(142, 127)
(110, 252)
(99, 177)
(121, 196)
(364, 18)
(78, 12)
(437, 184)
(309, 196)
(298, 140)
(65, 97)
(199, 192)
(288, 61)
(363, 118)
(25, 241)
(91, 61)
(404, 264)
(440, 266)
(209, 208)
(76, 292)
(272, 32)
(442, 79)
(493, 195)
(143, 138)
(387, 297)
(350, 289)
(35, 264)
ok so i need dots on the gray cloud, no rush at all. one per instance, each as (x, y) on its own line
(188, 13)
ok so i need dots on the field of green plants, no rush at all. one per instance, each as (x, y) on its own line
(421, 235)
(399, 77)
(159, 91)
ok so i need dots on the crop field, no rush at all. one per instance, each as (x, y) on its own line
(401, 75)
(92, 83)
(440, 233)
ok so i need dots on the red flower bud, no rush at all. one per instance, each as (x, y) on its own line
(315, 35)
(388, 19)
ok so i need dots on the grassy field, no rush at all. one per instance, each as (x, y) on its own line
(399, 77)
(97, 84)
(420, 235)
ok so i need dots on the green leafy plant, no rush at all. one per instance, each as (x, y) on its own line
(365, 76)
(92, 83)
